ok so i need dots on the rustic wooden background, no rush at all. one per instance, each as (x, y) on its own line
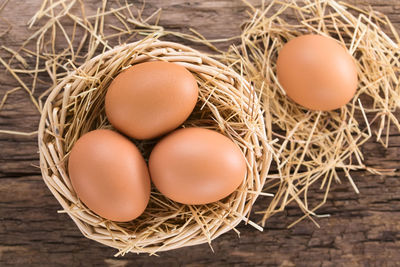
(363, 230)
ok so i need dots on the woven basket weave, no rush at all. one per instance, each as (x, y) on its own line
(227, 103)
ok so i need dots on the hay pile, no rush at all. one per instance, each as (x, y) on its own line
(317, 147)
(75, 105)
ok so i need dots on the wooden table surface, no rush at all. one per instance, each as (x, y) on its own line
(363, 230)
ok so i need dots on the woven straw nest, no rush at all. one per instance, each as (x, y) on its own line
(227, 103)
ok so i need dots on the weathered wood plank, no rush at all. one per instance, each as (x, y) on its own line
(363, 230)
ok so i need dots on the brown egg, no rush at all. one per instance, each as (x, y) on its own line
(196, 166)
(109, 175)
(316, 72)
(150, 99)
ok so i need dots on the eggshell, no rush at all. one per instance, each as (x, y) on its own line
(109, 175)
(150, 99)
(317, 72)
(196, 166)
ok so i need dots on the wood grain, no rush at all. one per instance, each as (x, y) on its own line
(363, 230)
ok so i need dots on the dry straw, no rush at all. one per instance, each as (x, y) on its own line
(74, 105)
(320, 147)
(227, 104)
